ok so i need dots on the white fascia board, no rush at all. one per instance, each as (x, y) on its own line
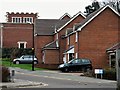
(79, 29)
(66, 14)
(69, 21)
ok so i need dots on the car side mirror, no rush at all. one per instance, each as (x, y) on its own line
(22, 57)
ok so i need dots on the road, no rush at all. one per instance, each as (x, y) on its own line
(56, 79)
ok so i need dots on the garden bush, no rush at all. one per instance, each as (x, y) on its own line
(15, 52)
(5, 74)
(110, 74)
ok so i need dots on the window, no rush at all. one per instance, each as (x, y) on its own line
(76, 37)
(27, 19)
(22, 44)
(16, 20)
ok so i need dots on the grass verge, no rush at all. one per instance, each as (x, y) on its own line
(8, 63)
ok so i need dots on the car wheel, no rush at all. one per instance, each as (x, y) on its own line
(88, 69)
(35, 62)
(17, 62)
(66, 69)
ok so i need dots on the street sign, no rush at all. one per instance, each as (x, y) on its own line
(99, 71)
(118, 67)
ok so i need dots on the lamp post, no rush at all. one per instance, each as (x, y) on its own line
(33, 49)
(1, 36)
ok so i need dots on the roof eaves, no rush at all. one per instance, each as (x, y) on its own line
(66, 14)
(79, 29)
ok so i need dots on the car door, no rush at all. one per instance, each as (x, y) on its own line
(30, 59)
(78, 66)
(26, 59)
(73, 65)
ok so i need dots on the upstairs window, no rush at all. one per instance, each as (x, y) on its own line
(28, 19)
(16, 19)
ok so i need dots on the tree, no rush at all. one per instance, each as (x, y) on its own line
(114, 3)
(96, 5)
(91, 8)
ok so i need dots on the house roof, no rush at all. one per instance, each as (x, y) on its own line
(48, 26)
(65, 15)
(94, 15)
(52, 45)
(114, 47)
(76, 15)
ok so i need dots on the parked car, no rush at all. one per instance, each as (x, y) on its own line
(25, 59)
(76, 65)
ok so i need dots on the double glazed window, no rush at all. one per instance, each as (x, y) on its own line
(28, 19)
(22, 19)
(16, 19)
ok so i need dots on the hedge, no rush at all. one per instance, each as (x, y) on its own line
(15, 52)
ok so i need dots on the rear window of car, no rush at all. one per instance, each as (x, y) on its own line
(85, 61)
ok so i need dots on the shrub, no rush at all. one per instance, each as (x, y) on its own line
(15, 52)
(110, 74)
(5, 74)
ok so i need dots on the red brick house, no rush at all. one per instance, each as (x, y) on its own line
(95, 37)
(44, 35)
(50, 41)
(16, 31)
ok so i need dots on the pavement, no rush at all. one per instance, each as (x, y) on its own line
(18, 83)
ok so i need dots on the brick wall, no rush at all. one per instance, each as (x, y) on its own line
(99, 35)
(40, 42)
(13, 33)
(62, 42)
(52, 56)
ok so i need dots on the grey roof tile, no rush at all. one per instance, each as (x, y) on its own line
(48, 26)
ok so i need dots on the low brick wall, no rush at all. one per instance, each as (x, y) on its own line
(48, 66)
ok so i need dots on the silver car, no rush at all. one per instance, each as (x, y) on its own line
(25, 59)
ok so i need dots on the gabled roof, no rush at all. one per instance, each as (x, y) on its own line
(76, 15)
(52, 45)
(65, 15)
(94, 15)
(48, 26)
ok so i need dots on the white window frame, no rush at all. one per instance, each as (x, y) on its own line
(57, 43)
(76, 55)
(28, 20)
(22, 42)
(76, 37)
(17, 20)
(68, 40)
(57, 36)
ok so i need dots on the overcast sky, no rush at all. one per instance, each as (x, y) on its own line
(46, 9)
